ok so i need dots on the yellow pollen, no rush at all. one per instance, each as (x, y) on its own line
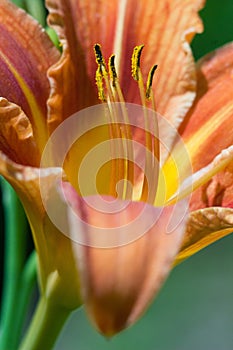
(100, 85)
(135, 61)
(102, 75)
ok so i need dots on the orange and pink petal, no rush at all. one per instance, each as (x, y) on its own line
(124, 252)
(207, 129)
(119, 26)
(26, 54)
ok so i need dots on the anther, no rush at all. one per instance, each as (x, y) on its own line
(150, 81)
(112, 70)
(99, 56)
(135, 61)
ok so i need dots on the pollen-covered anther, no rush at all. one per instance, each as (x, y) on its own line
(99, 56)
(102, 79)
(150, 81)
(112, 70)
(135, 61)
(107, 81)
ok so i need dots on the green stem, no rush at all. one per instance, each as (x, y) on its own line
(28, 281)
(15, 244)
(45, 327)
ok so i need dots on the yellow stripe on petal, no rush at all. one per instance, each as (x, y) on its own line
(203, 243)
(205, 174)
(208, 128)
(196, 143)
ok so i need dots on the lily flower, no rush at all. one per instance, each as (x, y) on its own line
(42, 88)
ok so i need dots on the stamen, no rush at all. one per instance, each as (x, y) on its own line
(135, 61)
(125, 192)
(103, 84)
(150, 81)
(109, 91)
(147, 194)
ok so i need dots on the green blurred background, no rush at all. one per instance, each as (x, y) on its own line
(194, 310)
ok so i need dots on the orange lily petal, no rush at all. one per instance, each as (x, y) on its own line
(206, 133)
(119, 281)
(204, 227)
(218, 191)
(25, 55)
(208, 128)
(118, 26)
(166, 28)
(16, 134)
(71, 88)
